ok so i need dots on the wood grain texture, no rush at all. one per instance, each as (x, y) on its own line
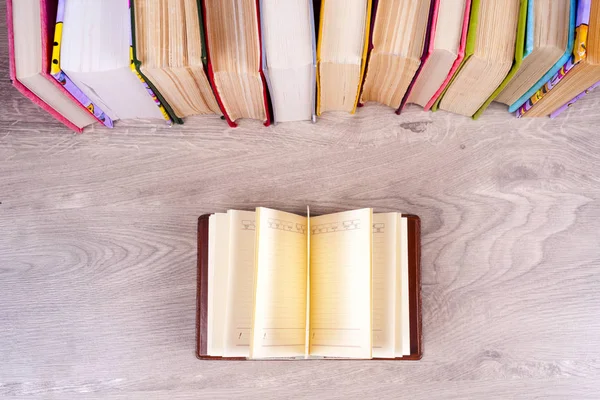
(97, 249)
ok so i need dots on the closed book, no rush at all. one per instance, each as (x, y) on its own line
(519, 51)
(447, 38)
(234, 54)
(575, 6)
(30, 37)
(579, 73)
(342, 49)
(547, 39)
(489, 56)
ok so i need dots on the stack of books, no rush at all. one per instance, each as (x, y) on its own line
(87, 61)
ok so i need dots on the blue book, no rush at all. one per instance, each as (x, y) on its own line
(561, 62)
(529, 30)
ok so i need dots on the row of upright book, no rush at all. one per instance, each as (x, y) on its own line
(276, 61)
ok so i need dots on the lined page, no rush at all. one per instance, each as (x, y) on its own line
(240, 283)
(340, 279)
(279, 323)
(402, 305)
(384, 284)
(218, 266)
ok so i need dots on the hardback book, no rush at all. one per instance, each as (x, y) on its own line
(289, 58)
(520, 48)
(170, 53)
(547, 40)
(234, 52)
(399, 36)
(96, 54)
(341, 53)
(489, 56)
(574, 11)
(448, 35)
(30, 37)
(59, 75)
(573, 101)
(276, 285)
(582, 73)
(579, 53)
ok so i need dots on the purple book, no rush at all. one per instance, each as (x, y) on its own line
(64, 80)
(573, 101)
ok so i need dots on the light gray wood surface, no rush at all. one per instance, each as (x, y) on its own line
(98, 249)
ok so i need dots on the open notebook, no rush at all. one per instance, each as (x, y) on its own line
(275, 285)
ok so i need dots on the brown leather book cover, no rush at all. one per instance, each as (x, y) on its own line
(414, 287)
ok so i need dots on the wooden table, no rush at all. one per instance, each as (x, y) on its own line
(98, 249)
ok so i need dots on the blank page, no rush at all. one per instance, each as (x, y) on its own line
(240, 284)
(279, 323)
(340, 279)
(385, 244)
(402, 302)
(218, 266)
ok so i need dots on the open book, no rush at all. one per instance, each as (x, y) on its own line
(277, 285)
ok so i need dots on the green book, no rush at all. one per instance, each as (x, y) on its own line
(519, 51)
(470, 51)
(137, 64)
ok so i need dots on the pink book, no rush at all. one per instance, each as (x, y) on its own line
(459, 58)
(428, 49)
(13, 74)
(47, 29)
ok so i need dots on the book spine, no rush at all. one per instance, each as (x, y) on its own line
(579, 54)
(266, 99)
(211, 73)
(427, 50)
(61, 79)
(370, 47)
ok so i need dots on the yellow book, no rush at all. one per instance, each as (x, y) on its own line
(342, 53)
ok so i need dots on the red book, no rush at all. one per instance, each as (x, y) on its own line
(233, 108)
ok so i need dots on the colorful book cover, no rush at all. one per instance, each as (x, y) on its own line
(575, 7)
(62, 78)
(519, 50)
(579, 54)
(369, 20)
(428, 48)
(158, 99)
(459, 58)
(469, 48)
(573, 101)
